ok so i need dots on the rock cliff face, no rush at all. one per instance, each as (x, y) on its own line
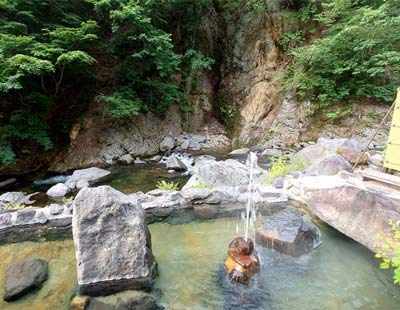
(242, 90)
(102, 140)
(250, 74)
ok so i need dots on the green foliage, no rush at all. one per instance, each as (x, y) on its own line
(389, 250)
(171, 186)
(357, 56)
(122, 103)
(54, 49)
(14, 206)
(39, 41)
(282, 167)
(66, 200)
(202, 184)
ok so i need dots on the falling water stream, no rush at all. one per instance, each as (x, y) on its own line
(251, 209)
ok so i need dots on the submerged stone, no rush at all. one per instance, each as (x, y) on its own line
(289, 233)
(132, 300)
(113, 246)
(24, 277)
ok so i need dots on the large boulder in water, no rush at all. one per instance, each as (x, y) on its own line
(58, 190)
(219, 173)
(113, 246)
(24, 277)
(92, 175)
(330, 165)
(360, 213)
(289, 233)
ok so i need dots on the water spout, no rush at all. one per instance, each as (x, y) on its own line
(251, 212)
(242, 261)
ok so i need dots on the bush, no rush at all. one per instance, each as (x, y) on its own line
(282, 168)
(171, 186)
(357, 56)
(389, 250)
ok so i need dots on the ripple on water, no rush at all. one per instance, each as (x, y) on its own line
(339, 275)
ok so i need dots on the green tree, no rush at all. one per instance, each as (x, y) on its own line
(357, 56)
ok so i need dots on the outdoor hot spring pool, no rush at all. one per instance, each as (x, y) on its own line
(340, 274)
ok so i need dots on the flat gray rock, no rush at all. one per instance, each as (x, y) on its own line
(24, 277)
(113, 245)
(92, 175)
(12, 197)
(359, 213)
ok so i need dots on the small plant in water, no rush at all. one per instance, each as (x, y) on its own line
(389, 250)
(14, 206)
(172, 186)
(202, 184)
(282, 168)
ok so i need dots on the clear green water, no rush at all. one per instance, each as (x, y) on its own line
(339, 275)
(57, 290)
(134, 178)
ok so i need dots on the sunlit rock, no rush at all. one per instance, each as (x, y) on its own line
(113, 246)
(242, 261)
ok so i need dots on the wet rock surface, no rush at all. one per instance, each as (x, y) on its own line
(358, 212)
(289, 233)
(24, 277)
(121, 258)
(242, 261)
(132, 300)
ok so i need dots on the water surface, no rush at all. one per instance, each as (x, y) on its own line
(340, 274)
